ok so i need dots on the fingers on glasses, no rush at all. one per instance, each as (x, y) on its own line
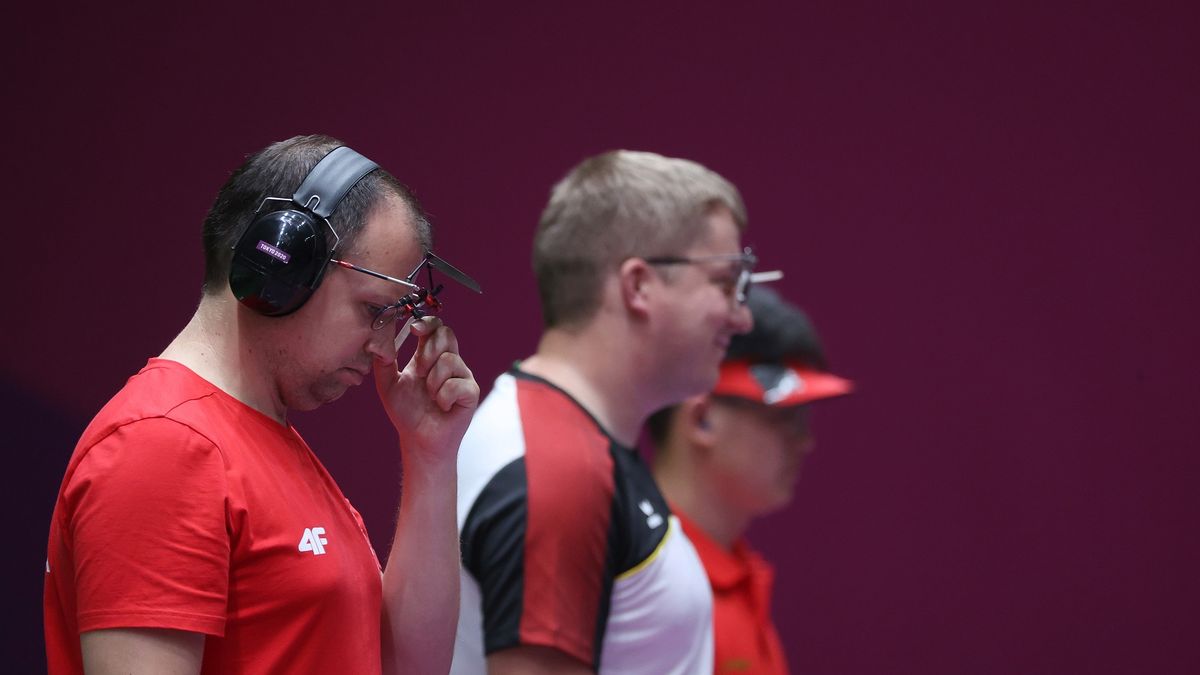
(418, 304)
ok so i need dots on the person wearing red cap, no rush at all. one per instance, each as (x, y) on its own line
(725, 458)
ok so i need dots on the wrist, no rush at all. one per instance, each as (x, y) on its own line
(420, 461)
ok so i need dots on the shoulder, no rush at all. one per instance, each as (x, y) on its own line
(145, 459)
(158, 390)
(156, 435)
(530, 438)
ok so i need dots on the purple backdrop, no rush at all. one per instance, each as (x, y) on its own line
(988, 209)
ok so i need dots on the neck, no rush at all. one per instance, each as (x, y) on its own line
(690, 491)
(599, 372)
(212, 345)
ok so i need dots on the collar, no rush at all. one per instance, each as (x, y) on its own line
(727, 568)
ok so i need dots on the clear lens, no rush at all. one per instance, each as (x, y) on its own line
(746, 275)
(385, 316)
(743, 285)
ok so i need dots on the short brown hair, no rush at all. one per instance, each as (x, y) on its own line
(615, 206)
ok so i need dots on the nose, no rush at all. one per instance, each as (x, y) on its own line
(381, 343)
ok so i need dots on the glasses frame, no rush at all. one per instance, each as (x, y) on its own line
(420, 301)
(746, 276)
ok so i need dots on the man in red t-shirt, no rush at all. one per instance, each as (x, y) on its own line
(195, 531)
(725, 458)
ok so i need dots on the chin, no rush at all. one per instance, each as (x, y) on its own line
(315, 398)
(333, 396)
(304, 405)
(777, 496)
(774, 504)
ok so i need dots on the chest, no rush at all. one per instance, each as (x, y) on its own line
(297, 545)
(661, 612)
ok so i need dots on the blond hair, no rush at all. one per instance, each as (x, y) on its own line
(615, 206)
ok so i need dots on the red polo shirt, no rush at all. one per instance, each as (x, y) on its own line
(746, 640)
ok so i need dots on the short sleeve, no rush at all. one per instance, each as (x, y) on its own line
(539, 543)
(492, 548)
(147, 522)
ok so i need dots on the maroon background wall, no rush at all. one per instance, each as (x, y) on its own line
(988, 208)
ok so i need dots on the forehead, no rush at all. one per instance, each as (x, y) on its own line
(721, 235)
(388, 242)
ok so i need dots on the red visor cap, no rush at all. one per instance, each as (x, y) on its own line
(779, 384)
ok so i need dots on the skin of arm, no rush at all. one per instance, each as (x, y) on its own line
(430, 403)
(134, 651)
(534, 660)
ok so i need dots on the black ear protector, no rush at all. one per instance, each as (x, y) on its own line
(281, 257)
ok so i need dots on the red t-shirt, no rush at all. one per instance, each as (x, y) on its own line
(183, 508)
(746, 639)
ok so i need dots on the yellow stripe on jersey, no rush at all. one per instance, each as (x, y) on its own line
(671, 527)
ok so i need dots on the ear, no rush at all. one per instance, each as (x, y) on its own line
(637, 278)
(695, 417)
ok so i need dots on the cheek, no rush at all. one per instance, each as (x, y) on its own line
(701, 306)
(752, 451)
(716, 305)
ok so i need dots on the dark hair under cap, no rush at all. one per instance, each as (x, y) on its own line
(782, 332)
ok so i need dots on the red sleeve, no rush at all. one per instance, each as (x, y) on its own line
(147, 524)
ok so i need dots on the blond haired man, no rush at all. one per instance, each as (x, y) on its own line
(572, 560)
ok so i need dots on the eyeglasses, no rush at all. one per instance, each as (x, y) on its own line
(421, 300)
(746, 260)
(415, 298)
(794, 421)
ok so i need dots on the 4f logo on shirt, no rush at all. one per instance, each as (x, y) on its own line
(653, 520)
(313, 541)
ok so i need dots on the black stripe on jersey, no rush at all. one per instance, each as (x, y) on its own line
(493, 551)
(638, 541)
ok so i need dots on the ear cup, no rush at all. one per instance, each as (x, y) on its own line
(278, 262)
(281, 257)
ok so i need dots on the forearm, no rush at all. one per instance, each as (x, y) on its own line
(421, 582)
(129, 651)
